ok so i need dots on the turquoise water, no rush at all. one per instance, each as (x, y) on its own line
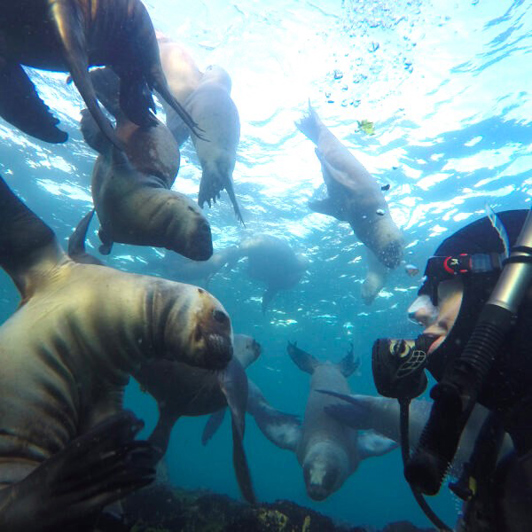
(445, 84)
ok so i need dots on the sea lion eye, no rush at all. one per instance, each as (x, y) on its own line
(219, 316)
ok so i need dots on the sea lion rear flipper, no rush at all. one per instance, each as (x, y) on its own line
(371, 443)
(21, 106)
(309, 125)
(348, 365)
(213, 424)
(25, 240)
(283, 430)
(92, 471)
(68, 22)
(303, 360)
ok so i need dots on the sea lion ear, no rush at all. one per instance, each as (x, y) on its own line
(68, 23)
(303, 360)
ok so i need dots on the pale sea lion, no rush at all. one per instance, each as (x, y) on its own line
(183, 76)
(327, 450)
(66, 355)
(212, 108)
(182, 390)
(274, 262)
(134, 201)
(381, 414)
(70, 36)
(354, 195)
(186, 270)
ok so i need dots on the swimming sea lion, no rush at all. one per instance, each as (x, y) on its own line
(183, 76)
(381, 414)
(327, 450)
(354, 196)
(70, 36)
(186, 270)
(274, 262)
(212, 108)
(68, 351)
(134, 201)
(182, 390)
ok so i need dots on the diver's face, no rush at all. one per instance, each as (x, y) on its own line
(438, 321)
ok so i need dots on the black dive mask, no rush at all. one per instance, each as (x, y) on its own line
(398, 366)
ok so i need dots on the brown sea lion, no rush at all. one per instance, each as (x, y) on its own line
(272, 261)
(134, 201)
(66, 355)
(70, 36)
(212, 108)
(182, 390)
(183, 76)
(354, 195)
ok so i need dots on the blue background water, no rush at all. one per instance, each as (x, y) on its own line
(446, 85)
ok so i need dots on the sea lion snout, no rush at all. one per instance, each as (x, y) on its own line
(201, 242)
(321, 480)
(392, 254)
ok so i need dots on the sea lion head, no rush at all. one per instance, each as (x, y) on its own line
(198, 330)
(217, 74)
(387, 242)
(247, 349)
(325, 468)
(193, 238)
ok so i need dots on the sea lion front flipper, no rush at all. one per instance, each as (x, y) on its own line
(76, 242)
(160, 437)
(355, 412)
(25, 241)
(21, 106)
(69, 26)
(92, 471)
(234, 385)
(328, 207)
(283, 430)
(371, 443)
(213, 424)
(303, 360)
(176, 126)
(92, 134)
(107, 242)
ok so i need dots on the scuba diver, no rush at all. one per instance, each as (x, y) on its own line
(475, 306)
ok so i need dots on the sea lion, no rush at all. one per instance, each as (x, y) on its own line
(186, 270)
(134, 201)
(354, 195)
(274, 262)
(327, 450)
(381, 414)
(183, 76)
(67, 354)
(212, 108)
(376, 275)
(182, 390)
(70, 36)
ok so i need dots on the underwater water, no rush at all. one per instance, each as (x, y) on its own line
(445, 85)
